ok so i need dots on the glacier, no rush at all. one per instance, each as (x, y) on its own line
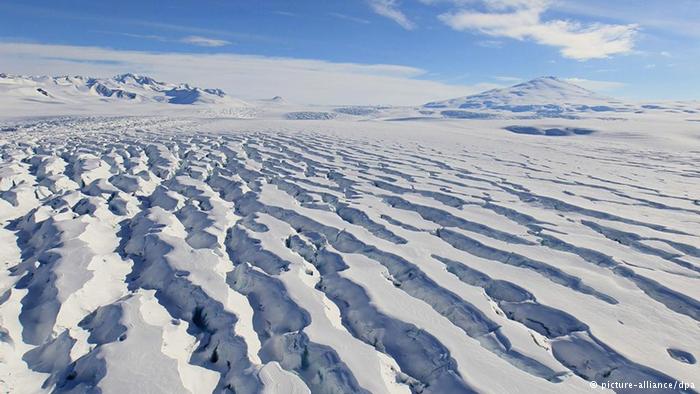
(164, 238)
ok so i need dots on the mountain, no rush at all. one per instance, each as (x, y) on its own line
(541, 98)
(124, 87)
(545, 96)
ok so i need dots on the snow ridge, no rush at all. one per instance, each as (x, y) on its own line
(155, 254)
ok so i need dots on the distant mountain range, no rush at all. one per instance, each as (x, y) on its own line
(545, 97)
(129, 87)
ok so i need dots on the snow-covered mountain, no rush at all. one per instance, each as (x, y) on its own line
(549, 97)
(124, 87)
(544, 96)
(541, 98)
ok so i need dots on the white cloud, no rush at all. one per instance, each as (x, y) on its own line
(192, 40)
(349, 18)
(489, 43)
(390, 9)
(204, 41)
(245, 76)
(600, 86)
(522, 20)
(678, 17)
(153, 37)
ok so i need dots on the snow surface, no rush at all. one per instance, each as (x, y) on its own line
(149, 248)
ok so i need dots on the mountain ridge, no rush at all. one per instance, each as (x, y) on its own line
(543, 97)
(126, 87)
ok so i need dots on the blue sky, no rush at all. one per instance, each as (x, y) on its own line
(435, 48)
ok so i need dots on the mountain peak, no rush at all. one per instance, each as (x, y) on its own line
(547, 78)
(549, 82)
(545, 96)
(135, 78)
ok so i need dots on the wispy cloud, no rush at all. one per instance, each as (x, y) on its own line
(523, 20)
(678, 17)
(244, 76)
(159, 26)
(191, 40)
(600, 86)
(152, 37)
(507, 79)
(489, 43)
(204, 41)
(285, 13)
(390, 9)
(349, 18)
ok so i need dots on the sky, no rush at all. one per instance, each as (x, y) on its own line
(398, 52)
